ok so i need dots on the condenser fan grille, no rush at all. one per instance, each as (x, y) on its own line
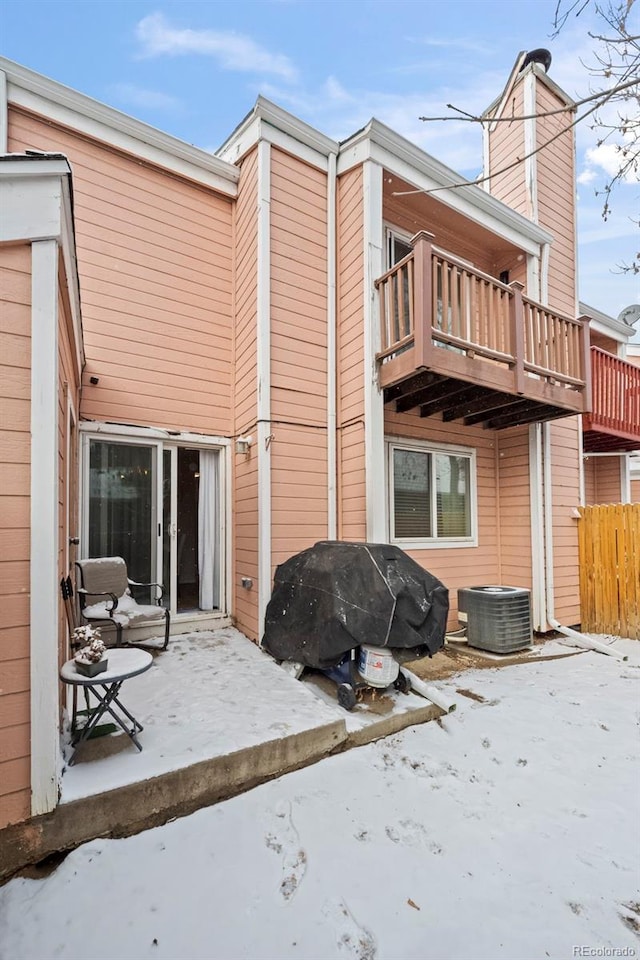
(498, 618)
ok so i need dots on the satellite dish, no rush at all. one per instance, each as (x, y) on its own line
(630, 314)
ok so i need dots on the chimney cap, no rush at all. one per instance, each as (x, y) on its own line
(540, 55)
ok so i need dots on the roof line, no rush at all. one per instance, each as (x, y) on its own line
(25, 87)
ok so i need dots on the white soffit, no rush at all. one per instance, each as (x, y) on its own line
(401, 157)
(75, 110)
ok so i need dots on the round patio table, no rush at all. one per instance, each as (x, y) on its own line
(105, 687)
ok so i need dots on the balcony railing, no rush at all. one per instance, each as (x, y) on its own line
(614, 422)
(438, 313)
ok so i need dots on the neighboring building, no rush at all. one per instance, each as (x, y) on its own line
(290, 341)
(611, 431)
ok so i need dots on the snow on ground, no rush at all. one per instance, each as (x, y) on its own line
(209, 694)
(508, 830)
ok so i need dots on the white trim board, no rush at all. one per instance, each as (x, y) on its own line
(43, 614)
(59, 103)
(160, 439)
(373, 230)
(36, 205)
(127, 431)
(4, 114)
(268, 121)
(332, 346)
(264, 380)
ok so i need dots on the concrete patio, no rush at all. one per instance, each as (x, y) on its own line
(219, 716)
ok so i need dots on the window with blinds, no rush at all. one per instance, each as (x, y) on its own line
(431, 494)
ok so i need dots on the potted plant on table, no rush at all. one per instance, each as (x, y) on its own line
(90, 659)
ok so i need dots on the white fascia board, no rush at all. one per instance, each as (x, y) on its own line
(4, 114)
(267, 121)
(397, 155)
(82, 113)
(603, 323)
(496, 108)
(30, 201)
(68, 245)
(35, 198)
(544, 78)
(241, 141)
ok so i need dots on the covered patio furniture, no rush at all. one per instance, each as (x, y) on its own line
(104, 592)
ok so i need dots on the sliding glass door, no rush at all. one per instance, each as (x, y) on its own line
(158, 506)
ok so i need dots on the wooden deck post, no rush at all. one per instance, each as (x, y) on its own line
(423, 298)
(585, 354)
(516, 321)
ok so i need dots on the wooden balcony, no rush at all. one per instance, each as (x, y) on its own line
(459, 342)
(614, 422)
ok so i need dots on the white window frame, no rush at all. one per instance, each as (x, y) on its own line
(159, 438)
(423, 446)
(393, 233)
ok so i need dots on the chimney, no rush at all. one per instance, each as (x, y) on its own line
(529, 154)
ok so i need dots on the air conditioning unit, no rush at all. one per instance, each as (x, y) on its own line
(498, 618)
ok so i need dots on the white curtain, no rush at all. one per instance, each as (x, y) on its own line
(208, 527)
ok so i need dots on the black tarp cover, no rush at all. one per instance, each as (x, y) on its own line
(335, 596)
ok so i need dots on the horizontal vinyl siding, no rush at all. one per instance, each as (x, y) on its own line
(298, 490)
(590, 495)
(155, 265)
(514, 504)
(298, 356)
(15, 506)
(607, 479)
(556, 199)
(459, 566)
(245, 477)
(635, 491)
(505, 145)
(350, 342)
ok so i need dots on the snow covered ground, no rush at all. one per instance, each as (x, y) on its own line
(209, 694)
(507, 830)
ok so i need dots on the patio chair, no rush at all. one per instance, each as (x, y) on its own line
(73, 621)
(104, 592)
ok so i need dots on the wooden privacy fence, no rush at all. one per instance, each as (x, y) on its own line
(609, 544)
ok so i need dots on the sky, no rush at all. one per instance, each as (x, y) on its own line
(194, 69)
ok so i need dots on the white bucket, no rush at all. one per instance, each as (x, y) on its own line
(377, 666)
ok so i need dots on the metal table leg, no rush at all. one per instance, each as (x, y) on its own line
(105, 705)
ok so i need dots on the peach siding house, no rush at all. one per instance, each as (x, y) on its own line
(333, 340)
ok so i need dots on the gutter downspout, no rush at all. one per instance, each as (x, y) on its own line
(332, 478)
(579, 639)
